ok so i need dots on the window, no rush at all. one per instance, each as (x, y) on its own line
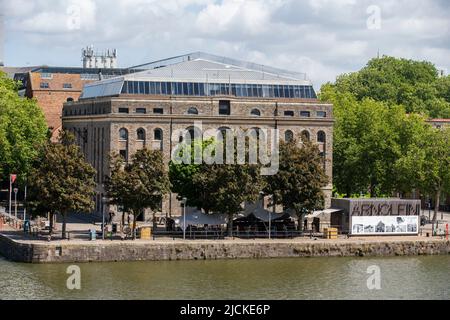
(140, 134)
(305, 114)
(305, 135)
(141, 110)
(124, 110)
(46, 75)
(158, 111)
(67, 86)
(224, 107)
(321, 137)
(124, 154)
(194, 133)
(123, 134)
(289, 113)
(321, 114)
(157, 134)
(192, 110)
(44, 85)
(288, 136)
(69, 99)
(255, 112)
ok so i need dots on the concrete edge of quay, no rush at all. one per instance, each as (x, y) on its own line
(33, 252)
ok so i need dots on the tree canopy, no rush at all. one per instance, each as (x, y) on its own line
(142, 183)
(22, 130)
(300, 179)
(61, 180)
(415, 85)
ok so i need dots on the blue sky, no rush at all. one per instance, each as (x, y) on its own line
(323, 38)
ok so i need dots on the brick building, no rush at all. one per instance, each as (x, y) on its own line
(53, 86)
(144, 109)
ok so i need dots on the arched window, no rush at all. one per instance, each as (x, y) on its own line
(222, 132)
(123, 134)
(305, 135)
(321, 137)
(255, 112)
(288, 136)
(69, 99)
(192, 110)
(158, 134)
(194, 133)
(140, 134)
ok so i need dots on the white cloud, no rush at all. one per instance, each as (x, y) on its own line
(320, 37)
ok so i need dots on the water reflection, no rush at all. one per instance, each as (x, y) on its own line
(305, 278)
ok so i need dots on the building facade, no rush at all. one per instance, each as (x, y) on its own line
(53, 86)
(144, 109)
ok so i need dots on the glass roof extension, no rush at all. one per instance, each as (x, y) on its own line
(201, 74)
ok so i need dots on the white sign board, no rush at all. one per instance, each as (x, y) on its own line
(384, 225)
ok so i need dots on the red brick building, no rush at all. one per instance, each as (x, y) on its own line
(53, 86)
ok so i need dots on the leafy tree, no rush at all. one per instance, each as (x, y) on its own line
(182, 175)
(61, 180)
(216, 188)
(300, 179)
(139, 184)
(231, 185)
(427, 163)
(22, 130)
(412, 84)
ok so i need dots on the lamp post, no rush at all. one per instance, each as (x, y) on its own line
(184, 201)
(105, 201)
(15, 201)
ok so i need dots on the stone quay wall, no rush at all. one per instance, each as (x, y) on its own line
(98, 251)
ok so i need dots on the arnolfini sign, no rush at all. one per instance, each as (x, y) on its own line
(381, 216)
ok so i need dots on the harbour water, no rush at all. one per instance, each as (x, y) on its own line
(424, 277)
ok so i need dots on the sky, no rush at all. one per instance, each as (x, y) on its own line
(323, 38)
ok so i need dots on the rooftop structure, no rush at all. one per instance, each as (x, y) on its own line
(93, 59)
(201, 74)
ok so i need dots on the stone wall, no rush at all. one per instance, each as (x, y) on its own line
(202, 250)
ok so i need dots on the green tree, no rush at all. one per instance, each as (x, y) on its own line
(22, 130)
(231, 185)
(300, 179)
(412, 84)
(61, 180)
(427, 163)
(182, 175)
(139, 184)
(216, 188)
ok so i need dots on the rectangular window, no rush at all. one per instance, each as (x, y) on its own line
(157, 87)
(321, 114)
(239, 90)
(44, 85)
(152, 88)
(123, 110)
(141, 87)
(196, 89)
(123, 154)
(305, 114)
(141, 110)
(169, 87)
(224, 107)
(158, 110)
(289, 113)
(46, 75)
(147, 88)
(201, 88)
(67, 85)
